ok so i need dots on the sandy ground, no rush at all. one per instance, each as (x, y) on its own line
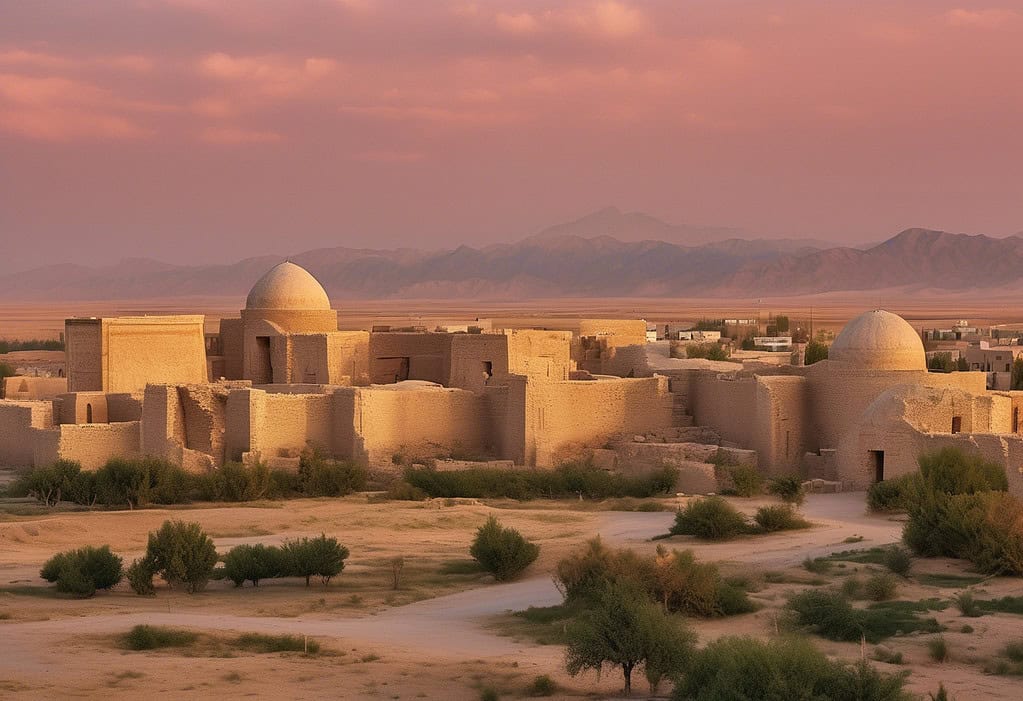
(435, 637)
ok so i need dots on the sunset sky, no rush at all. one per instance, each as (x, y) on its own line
(209, 131)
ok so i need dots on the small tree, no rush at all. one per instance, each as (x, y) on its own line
(140, 577)
(253, 563)
(55, 483)
(941, 362)
(623, 628)
(716, 351)
(121, 482)
(81, 572)
(781, 322)
(502, 551)
(321, 556)
(815, 352)
(182, 554)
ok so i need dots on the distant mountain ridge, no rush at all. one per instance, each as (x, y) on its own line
(606, 254)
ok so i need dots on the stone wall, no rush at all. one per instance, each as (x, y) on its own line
(18, 421)
(27, 388)
(91, 445)
(540, 355)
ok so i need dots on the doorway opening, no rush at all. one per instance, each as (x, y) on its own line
(877, 462)
(957, 424)
(264, 372)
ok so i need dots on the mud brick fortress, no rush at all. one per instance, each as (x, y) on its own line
(281, 378)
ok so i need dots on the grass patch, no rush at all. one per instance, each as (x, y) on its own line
(870, 556)
(262, 643)
(949, 581)
(462, 567)
(544, 625)
(830, 615)
(146, 637)
(910, 607)
(1007, 604)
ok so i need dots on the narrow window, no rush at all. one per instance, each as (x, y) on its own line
(1015, 419)
(957, 424)
(88, 413)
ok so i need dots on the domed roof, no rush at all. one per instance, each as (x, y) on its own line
(288, 286)
(879, 340)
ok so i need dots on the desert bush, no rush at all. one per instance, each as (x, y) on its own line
(321, 557)
(320, 477)
(81, 572)
(235, 481)
(542, 685)
(779, 518)
(674, 579)
(830, 615)
(140, 577)
(624, 629)
(146, 637)
(817, 565)
(852, 587)
(786, 668)
(710, 518)
(182, 554)
(746, 479)
(891, 494)
(881, 586)
(400, 490)
(951, 471)
(260, 642)
(888, 656)
(898, 560)
(122, 482)
(61, 481)
(251, 563)
(938, 650)
(503, 552)
(967, 605)
(788, 488)
(567, 480)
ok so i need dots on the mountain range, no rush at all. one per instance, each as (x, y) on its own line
(606, 254)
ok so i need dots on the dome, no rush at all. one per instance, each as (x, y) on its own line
(879, 340)
(288, 286)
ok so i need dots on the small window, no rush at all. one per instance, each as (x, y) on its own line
(957, 424)
(488, 369)
(1015, 419)
(88, 413)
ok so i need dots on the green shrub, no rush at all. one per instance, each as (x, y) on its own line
(881, 586)
(61, 481)
(883, 654)
(710, 518)
(542, 685)
(502, 551)
(779, 518)
(489, 693)
(951, 471)
(81, 572)
(584, 572)
(789, 489)
(568, 480)
(235, 481)
(321, 557)
(747, 480)
(140, 577)
(817, 565)
(830, 615)
(320, 477)
(259, 642)
(146, 637)
(938, 650)
(251, 563)
(400, 490)
(852, 587)
(967, 605)
(182, 554)
(786, 668)
(815, 352)
(898, 560)
(891, 494)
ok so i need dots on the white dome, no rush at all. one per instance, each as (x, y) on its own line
(879, 340)
(288, 286)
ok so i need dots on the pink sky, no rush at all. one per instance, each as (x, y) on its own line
(208, 131)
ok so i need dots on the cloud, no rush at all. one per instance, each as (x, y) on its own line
(68, 124)
(269, 76)
(984, 19)
(53, 62)
(229, 136)
(618, 19)
(600, 19)
(521, 23)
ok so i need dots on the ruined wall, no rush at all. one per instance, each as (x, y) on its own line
(417, 421)
(124, 406)
(505, 402)
(232, 334)
(18, 422)
(308, 359)
(475, 358)
(26, 388)
(397, 356)
(617, 332)
(91, 445)
(348, 352)
(783, 430)
(564, 418)
(260, 425)
(83, 343)
(540, 355)
(725, 403)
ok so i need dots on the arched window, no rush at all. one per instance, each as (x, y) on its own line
(88, 413)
